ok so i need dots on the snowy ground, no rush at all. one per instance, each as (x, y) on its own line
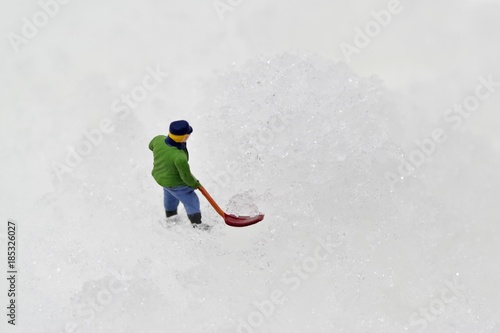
(380, 193)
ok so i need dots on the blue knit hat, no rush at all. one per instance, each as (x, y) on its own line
(180, 127)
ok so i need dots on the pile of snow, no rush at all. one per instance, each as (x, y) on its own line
(307, 142)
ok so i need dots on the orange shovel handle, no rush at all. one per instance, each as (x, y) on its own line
(212, 202)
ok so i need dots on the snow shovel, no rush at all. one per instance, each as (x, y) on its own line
(230, 219)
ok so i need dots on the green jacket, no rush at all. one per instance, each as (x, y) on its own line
(171, 167)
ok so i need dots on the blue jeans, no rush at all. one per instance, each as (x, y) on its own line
(184, 194)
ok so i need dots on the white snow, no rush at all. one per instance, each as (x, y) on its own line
(283, 126)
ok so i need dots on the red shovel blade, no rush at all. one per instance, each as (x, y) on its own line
(230, 219)
(242, 221)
